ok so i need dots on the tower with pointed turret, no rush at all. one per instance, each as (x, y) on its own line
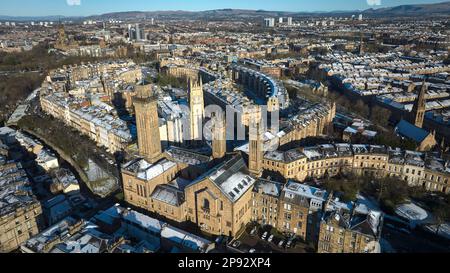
(197, 109)
(147, 123)
(361, 45)
(418, 111)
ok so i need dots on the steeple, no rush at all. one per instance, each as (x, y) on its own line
(361, 44)
(419, 107)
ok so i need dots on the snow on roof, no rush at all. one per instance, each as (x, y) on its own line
(143, 220)
(184, 238)
(268, 187)
(146, 171)
(306, 191)
(311, 153)
(168, 194)
(236, 185)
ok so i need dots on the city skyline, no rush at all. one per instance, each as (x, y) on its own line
(95, 7)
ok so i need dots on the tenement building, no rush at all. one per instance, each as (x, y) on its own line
(20, 211)
(349, 228)
(292, 208)
(419, 169)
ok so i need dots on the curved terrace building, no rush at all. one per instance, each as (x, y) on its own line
(263, 88)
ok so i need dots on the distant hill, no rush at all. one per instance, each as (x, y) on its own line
(412, 10)
(438, 9)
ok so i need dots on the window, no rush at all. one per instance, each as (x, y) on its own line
(206, 204)
(287, 207)
(287, 216)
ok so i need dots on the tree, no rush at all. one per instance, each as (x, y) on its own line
(389, 191)
(361, 108)
(441, 215)
(380, 115)
(348, 187)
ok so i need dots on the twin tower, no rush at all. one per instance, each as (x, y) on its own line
(147, 123)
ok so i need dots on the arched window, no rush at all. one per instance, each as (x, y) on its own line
(206, 204)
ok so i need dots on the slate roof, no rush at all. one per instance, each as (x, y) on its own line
(411, 131)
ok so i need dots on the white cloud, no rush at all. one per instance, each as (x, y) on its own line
(73, 2)
(373, 2)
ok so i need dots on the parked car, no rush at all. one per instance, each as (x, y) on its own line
(252, 250)
(253, 232)
(219, 240)
(270, 238)
(289, 243)
(280, 244)
(222, 240)
(264, 236)
(236, 244)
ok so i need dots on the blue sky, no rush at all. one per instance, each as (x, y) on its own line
(91, 7)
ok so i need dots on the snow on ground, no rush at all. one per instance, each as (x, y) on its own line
(101, 182)
(367, 203)
(444, 230)
(411, 212)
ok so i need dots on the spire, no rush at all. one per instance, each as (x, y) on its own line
(419, 107)
(361, 45)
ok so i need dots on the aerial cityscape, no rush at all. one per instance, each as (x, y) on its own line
(225, 127)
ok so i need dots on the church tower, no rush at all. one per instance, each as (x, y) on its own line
(256, 147)
(361, 45)
(219, 137)
(146, 108)
(419, 107)
(197, 108)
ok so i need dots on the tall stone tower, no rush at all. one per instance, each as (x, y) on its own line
(419, 107)
(256, 146)
(197, 108)
(361, 44)
(146, 108)
(219, 135)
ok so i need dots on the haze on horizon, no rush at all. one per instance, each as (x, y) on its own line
(94, 7)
